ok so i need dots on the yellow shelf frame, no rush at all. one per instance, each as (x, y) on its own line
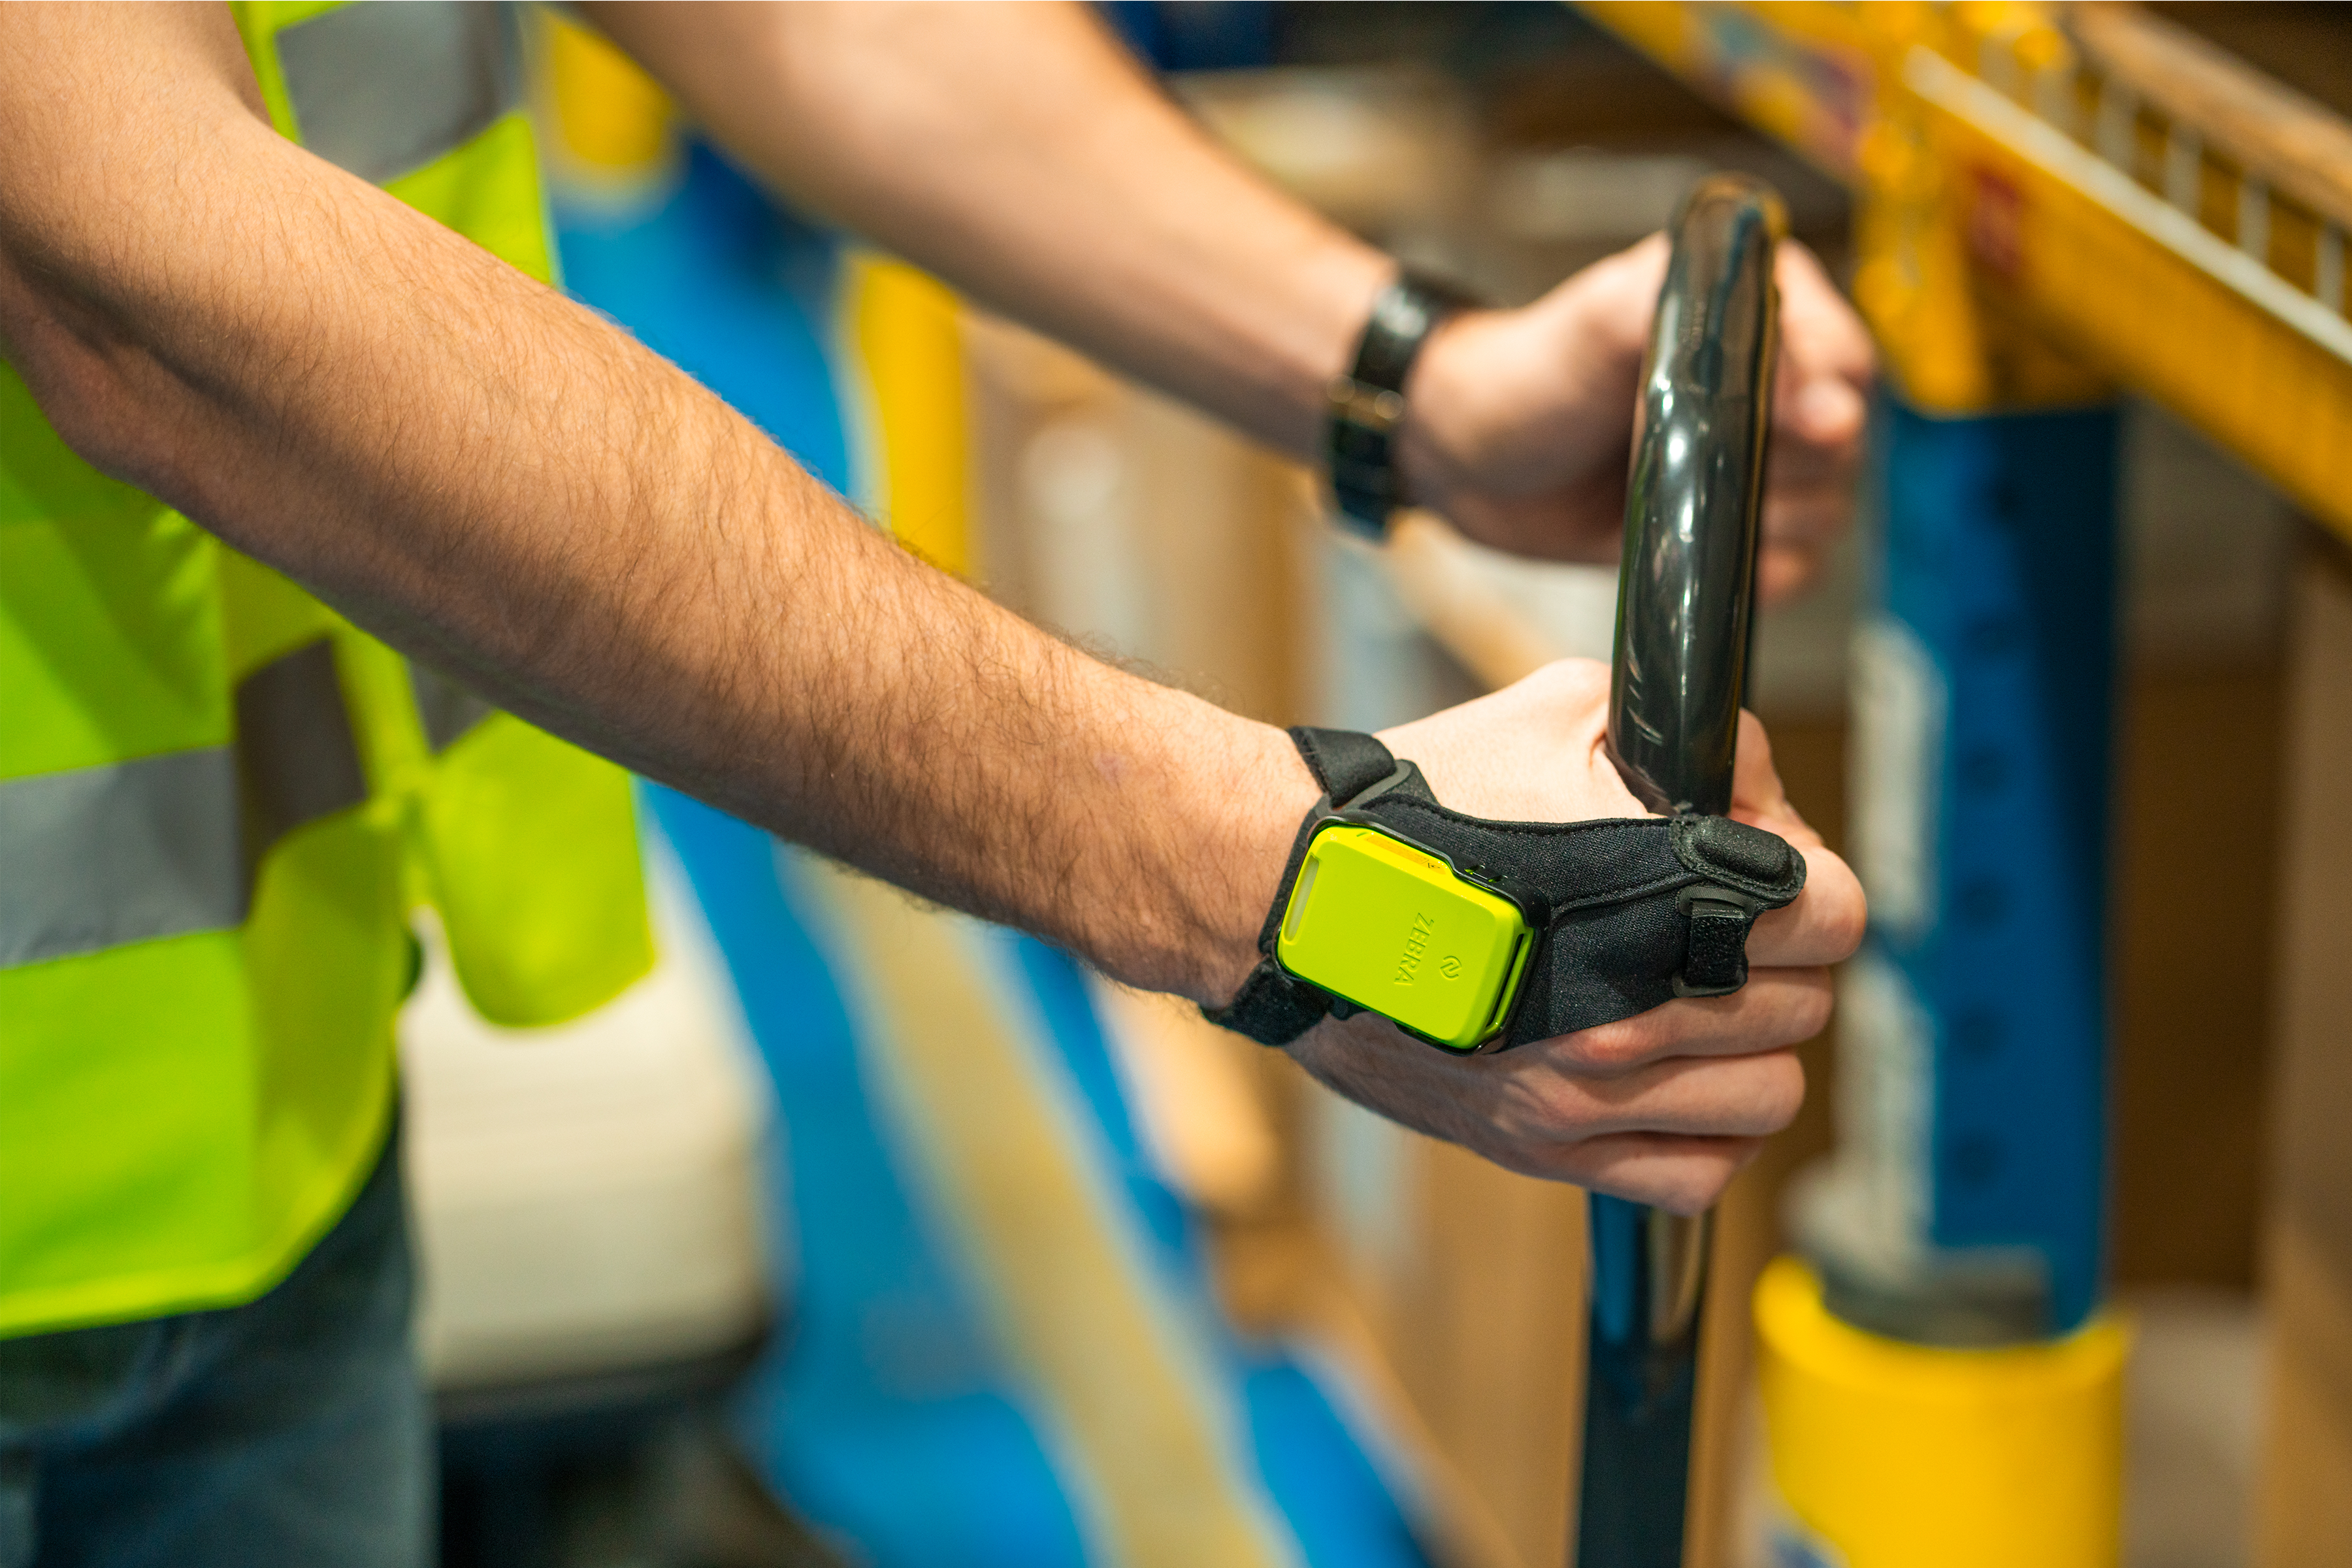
(2000, 202)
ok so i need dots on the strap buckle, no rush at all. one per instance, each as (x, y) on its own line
(1715, 961)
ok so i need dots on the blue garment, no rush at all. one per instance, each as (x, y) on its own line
(294, 1431)
(895, 1418)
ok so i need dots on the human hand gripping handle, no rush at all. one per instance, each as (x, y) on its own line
(1663, 1106)
(1521, 417)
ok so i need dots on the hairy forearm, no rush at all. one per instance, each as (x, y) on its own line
(1014, 150)
(492, 478)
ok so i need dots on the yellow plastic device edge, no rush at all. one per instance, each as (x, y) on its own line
(1495, 1015)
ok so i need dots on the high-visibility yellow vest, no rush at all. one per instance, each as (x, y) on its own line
(219, 802)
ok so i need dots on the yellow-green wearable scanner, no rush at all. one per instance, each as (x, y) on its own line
(1395, 930)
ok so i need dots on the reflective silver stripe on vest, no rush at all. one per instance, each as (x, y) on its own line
(382, 89)
(447, 710)
(94, 857)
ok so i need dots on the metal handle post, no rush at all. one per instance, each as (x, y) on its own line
(1685, 600)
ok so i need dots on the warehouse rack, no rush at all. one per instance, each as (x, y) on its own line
(2091, 173)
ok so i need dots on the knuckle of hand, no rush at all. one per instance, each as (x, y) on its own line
(1612, 1048)
(1783, 1101)
(1849, 918)
(1567, 678)
(1814, 1012)
(1697, 1189)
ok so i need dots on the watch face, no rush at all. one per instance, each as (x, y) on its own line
(1395, 930)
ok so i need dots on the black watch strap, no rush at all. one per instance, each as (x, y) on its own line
(1367, 405)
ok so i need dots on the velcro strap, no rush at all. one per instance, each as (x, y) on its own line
(1714, 954)
(1271, 1007)
(1629, 912)
(1346, 762)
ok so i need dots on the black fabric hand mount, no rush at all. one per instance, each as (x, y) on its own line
(1628, 912)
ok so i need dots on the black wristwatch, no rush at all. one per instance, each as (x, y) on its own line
(1367, 405)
